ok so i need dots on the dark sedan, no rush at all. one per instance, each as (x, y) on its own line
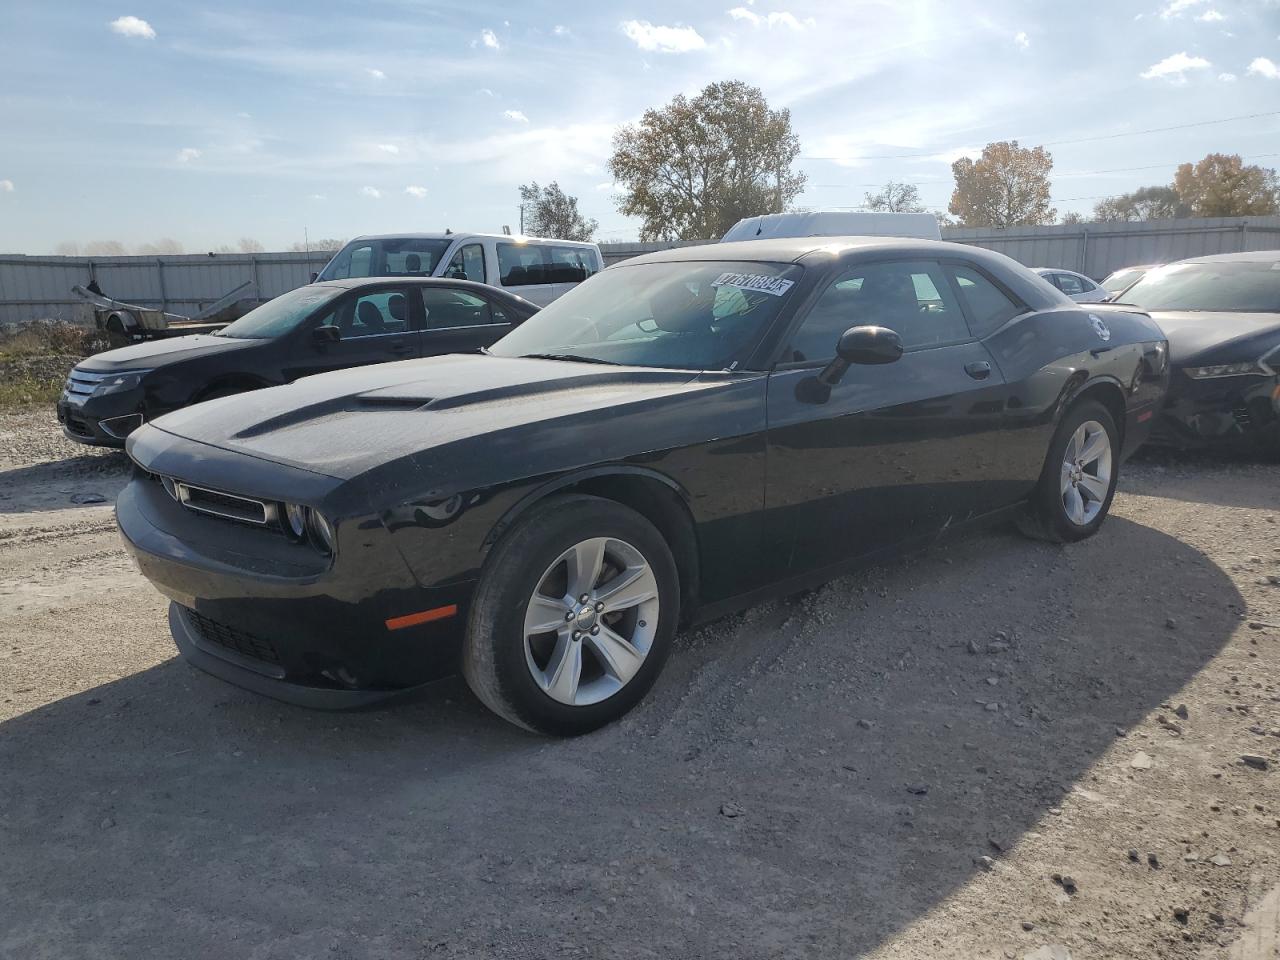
(1222, 317)
(679, 436)
(314, 329)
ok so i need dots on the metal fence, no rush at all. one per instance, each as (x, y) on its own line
(34, 288)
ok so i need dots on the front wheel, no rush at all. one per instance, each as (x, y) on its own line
(1078, 482)
(573, 617)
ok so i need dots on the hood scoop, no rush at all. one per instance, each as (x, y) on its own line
(389, 401)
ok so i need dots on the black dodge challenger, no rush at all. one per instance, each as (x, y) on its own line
(321, 327)
(1222, 317)
(678, 437)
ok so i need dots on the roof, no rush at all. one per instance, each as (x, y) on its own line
(455, 235)
(352, 283)
(794, 249)
(1251, 256)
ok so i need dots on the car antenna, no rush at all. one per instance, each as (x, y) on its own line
(448, 232)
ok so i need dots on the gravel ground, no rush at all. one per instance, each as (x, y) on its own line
(998, 748)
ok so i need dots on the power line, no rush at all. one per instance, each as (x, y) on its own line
(1059, 143)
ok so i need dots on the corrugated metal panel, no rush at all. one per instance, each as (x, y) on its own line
(33, 288)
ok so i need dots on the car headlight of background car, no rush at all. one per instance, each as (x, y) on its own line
(120, 383)
(1245, 368)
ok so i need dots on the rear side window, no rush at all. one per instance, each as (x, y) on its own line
(989, 307)
(371, 315)
(446, 309)
(1068, 284)
(527, 264)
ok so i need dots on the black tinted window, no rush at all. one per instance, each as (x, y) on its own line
(454, 308)
(913, 299)
(988, 305)
(1068, 284)
(371, 315)
(526, 264)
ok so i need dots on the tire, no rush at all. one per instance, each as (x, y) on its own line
(1051, 513)
(525, 674)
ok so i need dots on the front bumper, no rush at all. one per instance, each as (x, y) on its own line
(1241, 412)
(104, 421)
(273, 616)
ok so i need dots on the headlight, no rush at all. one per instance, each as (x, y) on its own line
(322, 531)
(120, 383)
(296, 520)
(1226, 370)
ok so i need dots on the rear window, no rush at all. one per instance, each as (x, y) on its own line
(525, 264)
(1223, 286)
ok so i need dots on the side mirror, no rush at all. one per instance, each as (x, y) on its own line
(313, 276)
(326, 334)
(862, 345)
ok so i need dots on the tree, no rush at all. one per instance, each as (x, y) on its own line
(1072, 219)
(695, 167)
(1145, 203)
(895, 198)
(250, 245)
(104, 248)
(550, 212)
(1221, 185)
(1007, 186)
(318, 246)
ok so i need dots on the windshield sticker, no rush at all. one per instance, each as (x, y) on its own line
(774, 286)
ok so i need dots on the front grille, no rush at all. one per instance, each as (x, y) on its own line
(1243, 417)
(82, 383)
(239, 641)
(77, 426)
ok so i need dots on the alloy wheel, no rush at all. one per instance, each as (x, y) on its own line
(1086, 473)
(591, 621)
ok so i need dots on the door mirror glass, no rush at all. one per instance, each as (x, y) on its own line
(869, 345)
(326, 334)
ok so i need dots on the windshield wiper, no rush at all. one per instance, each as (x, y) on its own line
(573, 357)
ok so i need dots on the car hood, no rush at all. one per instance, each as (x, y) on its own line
(159, 353)
(348, 422)
(1195, 336)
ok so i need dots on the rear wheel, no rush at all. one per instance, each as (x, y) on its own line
(1078, 482)
(573, 618)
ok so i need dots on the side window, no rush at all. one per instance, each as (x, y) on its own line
(988, 306)
(1088, 285)
(570, 264)
(1068, 284)
(520, 265)
(371, 315)
(467, 264)
(912, 298)
(445, 309)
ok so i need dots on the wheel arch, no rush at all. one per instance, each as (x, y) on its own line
(655, 496)
(1104, 390)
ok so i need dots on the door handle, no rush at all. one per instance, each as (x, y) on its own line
(978, 369)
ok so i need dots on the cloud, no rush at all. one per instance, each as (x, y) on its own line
(373, 193)
(676, 39)
(1227, 77)
(317, 196)
(132, 27)
(418, 193)
(1210, 16)
(1021, 39)
(487, 92)
(6, 186)
(489, 39)
(1262, 67)
(607, 187)
(390, 148)
(1174, 67)
(779, 18)
(560, 30)
(1176, 8)
(516, 115)
(375, 73)
(187, 154)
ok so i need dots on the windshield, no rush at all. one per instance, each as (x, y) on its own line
(1120, 279)
(1225, 286)
(281, 315)
(690, 316)
(388, 257)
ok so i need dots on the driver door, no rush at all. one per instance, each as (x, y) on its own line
(374, 327)
(892, 452)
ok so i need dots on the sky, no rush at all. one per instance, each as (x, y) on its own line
(141, 119)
